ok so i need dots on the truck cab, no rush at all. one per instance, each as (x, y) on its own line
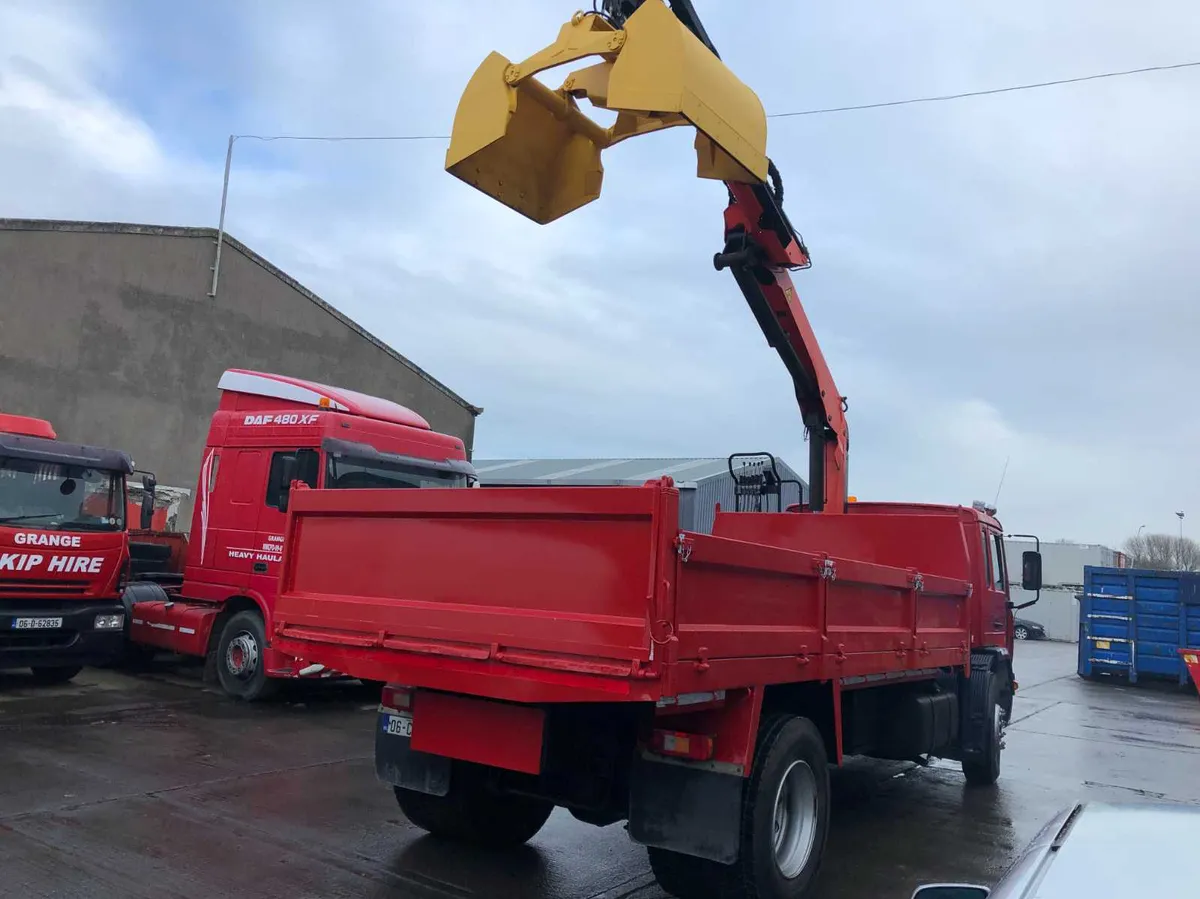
(271, 435)
(63, 550)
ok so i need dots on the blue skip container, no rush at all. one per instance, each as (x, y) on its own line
(1133, 622)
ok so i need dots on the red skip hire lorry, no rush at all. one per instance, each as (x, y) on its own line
(216, 598)
(573, 646)
(63, 550)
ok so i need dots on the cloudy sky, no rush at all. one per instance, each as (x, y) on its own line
(1002, 278)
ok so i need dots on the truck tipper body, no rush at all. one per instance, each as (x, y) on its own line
(214, 596)
(63, 550)
(571, 646)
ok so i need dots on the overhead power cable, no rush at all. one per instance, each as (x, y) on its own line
(271, 137)
(823, 110)
(938, 98)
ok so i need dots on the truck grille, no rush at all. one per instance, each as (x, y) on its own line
(39, 607)
(33, 587)
(37, 639)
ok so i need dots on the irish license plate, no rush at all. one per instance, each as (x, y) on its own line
(36, 624)
(397, 725)
(1103, 644)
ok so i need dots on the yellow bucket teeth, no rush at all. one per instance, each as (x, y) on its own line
(534, 150)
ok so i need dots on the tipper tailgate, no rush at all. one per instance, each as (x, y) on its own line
(561, 578)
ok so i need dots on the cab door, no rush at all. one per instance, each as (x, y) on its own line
(230, 511)
(272, 519)
(994, 608)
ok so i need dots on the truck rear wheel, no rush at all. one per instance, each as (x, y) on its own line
(49, 677)
(240, 658)
(785, 821)
(473, 812)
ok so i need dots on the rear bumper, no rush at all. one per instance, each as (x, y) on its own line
(76, 642)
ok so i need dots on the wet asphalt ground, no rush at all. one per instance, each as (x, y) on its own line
(151, 786)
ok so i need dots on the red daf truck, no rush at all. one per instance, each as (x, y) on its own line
(63, 550)
(214, 595)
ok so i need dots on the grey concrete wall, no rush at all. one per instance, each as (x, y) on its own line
(108, 331)
(1056, 611)
(1062, 577)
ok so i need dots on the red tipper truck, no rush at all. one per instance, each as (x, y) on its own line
(572, 646)
(63, 550)
(215, 598)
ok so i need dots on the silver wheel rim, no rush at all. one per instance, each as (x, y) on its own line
(241, 656)
(794, 822)
(1021, 633)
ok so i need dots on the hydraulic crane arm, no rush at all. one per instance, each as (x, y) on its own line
(760, 246)
(765, 283)
(531, 148)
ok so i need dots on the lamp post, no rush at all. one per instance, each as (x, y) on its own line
(1180, 514)
(1141, 528)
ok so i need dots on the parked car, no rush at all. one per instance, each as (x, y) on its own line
(1024, 629)
(1098, 849)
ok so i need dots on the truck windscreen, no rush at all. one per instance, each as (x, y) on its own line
(343, 472)
(60, 496)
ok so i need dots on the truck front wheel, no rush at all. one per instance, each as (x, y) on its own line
(240, 660)
(785, 821)
(473, 812)
(987, 691)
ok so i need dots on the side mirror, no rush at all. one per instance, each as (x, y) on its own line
(149, 485)
(951, 891)
(287, 474)
(1031, 570)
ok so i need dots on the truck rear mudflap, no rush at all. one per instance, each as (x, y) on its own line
(519, 594)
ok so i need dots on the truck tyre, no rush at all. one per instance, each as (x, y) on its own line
(987, 691)
(240, 658)
(785, 821)
(472, 812)
(50, 677)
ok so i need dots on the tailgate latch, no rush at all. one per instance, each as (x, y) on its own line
(683, 546)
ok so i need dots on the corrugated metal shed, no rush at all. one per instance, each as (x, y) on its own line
(702, 482)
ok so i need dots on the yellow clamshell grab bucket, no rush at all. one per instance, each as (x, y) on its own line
(534, 150)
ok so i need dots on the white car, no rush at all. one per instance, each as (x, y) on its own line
(1096, 849)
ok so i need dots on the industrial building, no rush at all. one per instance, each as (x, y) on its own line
(109, 330)
(702, 483)
(1062, 578)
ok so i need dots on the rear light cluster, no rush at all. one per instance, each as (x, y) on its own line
(697, 747)
(396, 698)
